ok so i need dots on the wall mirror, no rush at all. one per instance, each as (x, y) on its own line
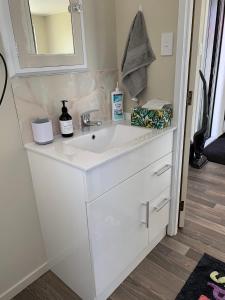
(48, 33)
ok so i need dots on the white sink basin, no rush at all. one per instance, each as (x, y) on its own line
(107, 138)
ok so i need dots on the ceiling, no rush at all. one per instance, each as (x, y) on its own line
(48, 7)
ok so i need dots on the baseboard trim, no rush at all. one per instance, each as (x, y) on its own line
(23, 283)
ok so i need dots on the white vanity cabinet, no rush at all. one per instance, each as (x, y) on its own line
(127, 220)
(99, 224)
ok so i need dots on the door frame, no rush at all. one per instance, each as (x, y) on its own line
(185, 18)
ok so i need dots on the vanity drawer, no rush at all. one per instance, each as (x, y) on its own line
(159, 214)
(101, 179)
(158, 176)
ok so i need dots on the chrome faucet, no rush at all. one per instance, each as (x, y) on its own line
(86, 119)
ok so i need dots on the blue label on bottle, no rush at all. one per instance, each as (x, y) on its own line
(118, 107)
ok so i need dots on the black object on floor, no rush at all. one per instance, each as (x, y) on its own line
(215, 152)
(197, 159)
(207, 282)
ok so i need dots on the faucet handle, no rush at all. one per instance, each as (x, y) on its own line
(85, 119)
(88, 112)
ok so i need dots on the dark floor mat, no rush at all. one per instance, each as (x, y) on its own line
(215, 152)
(206, 282)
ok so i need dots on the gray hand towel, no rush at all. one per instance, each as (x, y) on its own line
(137, 57)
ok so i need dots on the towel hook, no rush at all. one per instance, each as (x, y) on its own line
(140, 8)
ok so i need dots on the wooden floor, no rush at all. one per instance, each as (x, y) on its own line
(162, 274)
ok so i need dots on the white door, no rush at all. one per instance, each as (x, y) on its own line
(118, 228)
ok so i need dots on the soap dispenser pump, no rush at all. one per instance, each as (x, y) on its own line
(66, 122)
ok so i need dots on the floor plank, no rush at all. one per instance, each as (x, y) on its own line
(47, 287)
(162, 274)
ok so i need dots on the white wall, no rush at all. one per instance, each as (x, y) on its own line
(53, 33)
(21, 246)
(160, 16)
(59, 33)
(100, 31)
(199, 40)
(40, 33)
(219, 108)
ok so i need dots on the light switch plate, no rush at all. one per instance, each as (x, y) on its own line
(167, 44)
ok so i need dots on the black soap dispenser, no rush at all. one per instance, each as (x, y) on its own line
(66, 122)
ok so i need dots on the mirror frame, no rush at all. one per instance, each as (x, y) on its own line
(39, 64)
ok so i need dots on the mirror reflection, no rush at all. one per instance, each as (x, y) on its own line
(52, 26)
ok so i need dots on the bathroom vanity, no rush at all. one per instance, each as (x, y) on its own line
(103, 199)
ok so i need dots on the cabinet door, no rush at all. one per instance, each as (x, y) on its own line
(117, 229)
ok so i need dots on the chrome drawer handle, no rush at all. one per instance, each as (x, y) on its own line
(162, 204)
(146, 222)
(163, 170)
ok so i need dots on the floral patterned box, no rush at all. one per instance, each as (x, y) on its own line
(157, 119)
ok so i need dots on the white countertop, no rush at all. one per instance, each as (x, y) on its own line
(86, 160)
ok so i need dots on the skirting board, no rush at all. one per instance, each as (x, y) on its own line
(23, 283)
(30, 278)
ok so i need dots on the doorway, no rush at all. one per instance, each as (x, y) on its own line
(212, 66)
(207, 55)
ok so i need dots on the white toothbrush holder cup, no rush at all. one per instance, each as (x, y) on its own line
(42, 131)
